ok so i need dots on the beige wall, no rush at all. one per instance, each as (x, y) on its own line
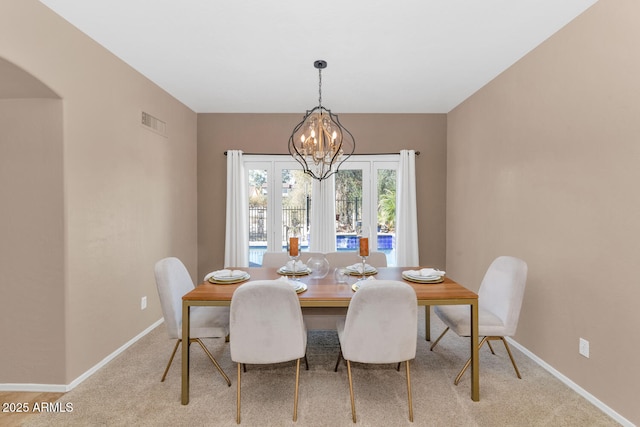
(31, 246)
(544, 164)
(124, 197)
(269, 134)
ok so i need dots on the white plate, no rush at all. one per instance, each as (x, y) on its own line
(301, 288)
(229, 280)
(368, 269)
(296, 285)
(356, 285)
(302, 272)
(423, 279)
(420, 277)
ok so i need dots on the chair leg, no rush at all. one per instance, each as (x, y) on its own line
(175, 348)
(466, 365)
(238, 396)
(338, 361)
(487, 339)
(306, 362)
(353, 403)
(490, 346)
(295, 396)
(215, 362)
(435, 343)
(513, 362)
(409, 392)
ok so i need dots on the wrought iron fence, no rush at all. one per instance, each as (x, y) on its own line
(348, 217)
(257, 223)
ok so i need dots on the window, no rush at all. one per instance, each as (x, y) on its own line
(280, 201)
(365, 195)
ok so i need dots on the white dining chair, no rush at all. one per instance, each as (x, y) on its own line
(278, 259)
(173, 281)
(339, 259)
(314, 317)
(377, 259)
(381, 327)
(274, 259)
(267, 327)
(499, 301)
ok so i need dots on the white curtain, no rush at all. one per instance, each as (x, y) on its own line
(406, 211)
(236, 243)
(323, 215)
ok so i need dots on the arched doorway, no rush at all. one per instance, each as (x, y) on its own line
(32, 229)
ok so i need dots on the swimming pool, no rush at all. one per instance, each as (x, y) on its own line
(344, 243)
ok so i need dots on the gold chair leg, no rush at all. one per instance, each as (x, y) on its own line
(175, 348)
(487, 339)
(238, 396)
(513, 362)
(295, 397)
(466, 365)
(215, 362)
(409, 392)
(435, 343)
(353, 403)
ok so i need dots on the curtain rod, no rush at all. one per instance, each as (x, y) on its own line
(283, 154)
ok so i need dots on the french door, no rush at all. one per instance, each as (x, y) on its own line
(280, 194)
(279, 200)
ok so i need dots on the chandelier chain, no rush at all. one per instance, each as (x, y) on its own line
(320, 87)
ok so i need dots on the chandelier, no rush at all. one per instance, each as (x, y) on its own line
(319, 142)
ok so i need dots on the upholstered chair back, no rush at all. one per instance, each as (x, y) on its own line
(274, 259)
(501, 293)
(278, 259)
(381, 324)
(266, 323)
(173, 281)
(346, 258)
(377, 259)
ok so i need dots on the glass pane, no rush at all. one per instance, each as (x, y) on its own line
(348, 208)
(258, 224)
(386, 197)
(296, 206)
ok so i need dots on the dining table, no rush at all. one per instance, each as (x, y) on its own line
(326, 292)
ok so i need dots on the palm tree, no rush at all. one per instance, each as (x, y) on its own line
(387, 208)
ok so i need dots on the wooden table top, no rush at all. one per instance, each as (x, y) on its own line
(326, 293)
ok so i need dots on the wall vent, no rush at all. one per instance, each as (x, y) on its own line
(154, 124)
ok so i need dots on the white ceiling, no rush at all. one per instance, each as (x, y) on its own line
(256, 56)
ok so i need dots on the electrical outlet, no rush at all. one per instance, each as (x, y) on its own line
(143, 303)
(584, 347)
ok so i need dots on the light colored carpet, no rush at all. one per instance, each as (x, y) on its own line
(128, 390)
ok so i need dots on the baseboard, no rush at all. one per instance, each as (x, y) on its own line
(62, 388)
(575, 387)
(41, 388)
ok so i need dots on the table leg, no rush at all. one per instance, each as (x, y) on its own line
(185, 352)
(427, 322)
(475, 359)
